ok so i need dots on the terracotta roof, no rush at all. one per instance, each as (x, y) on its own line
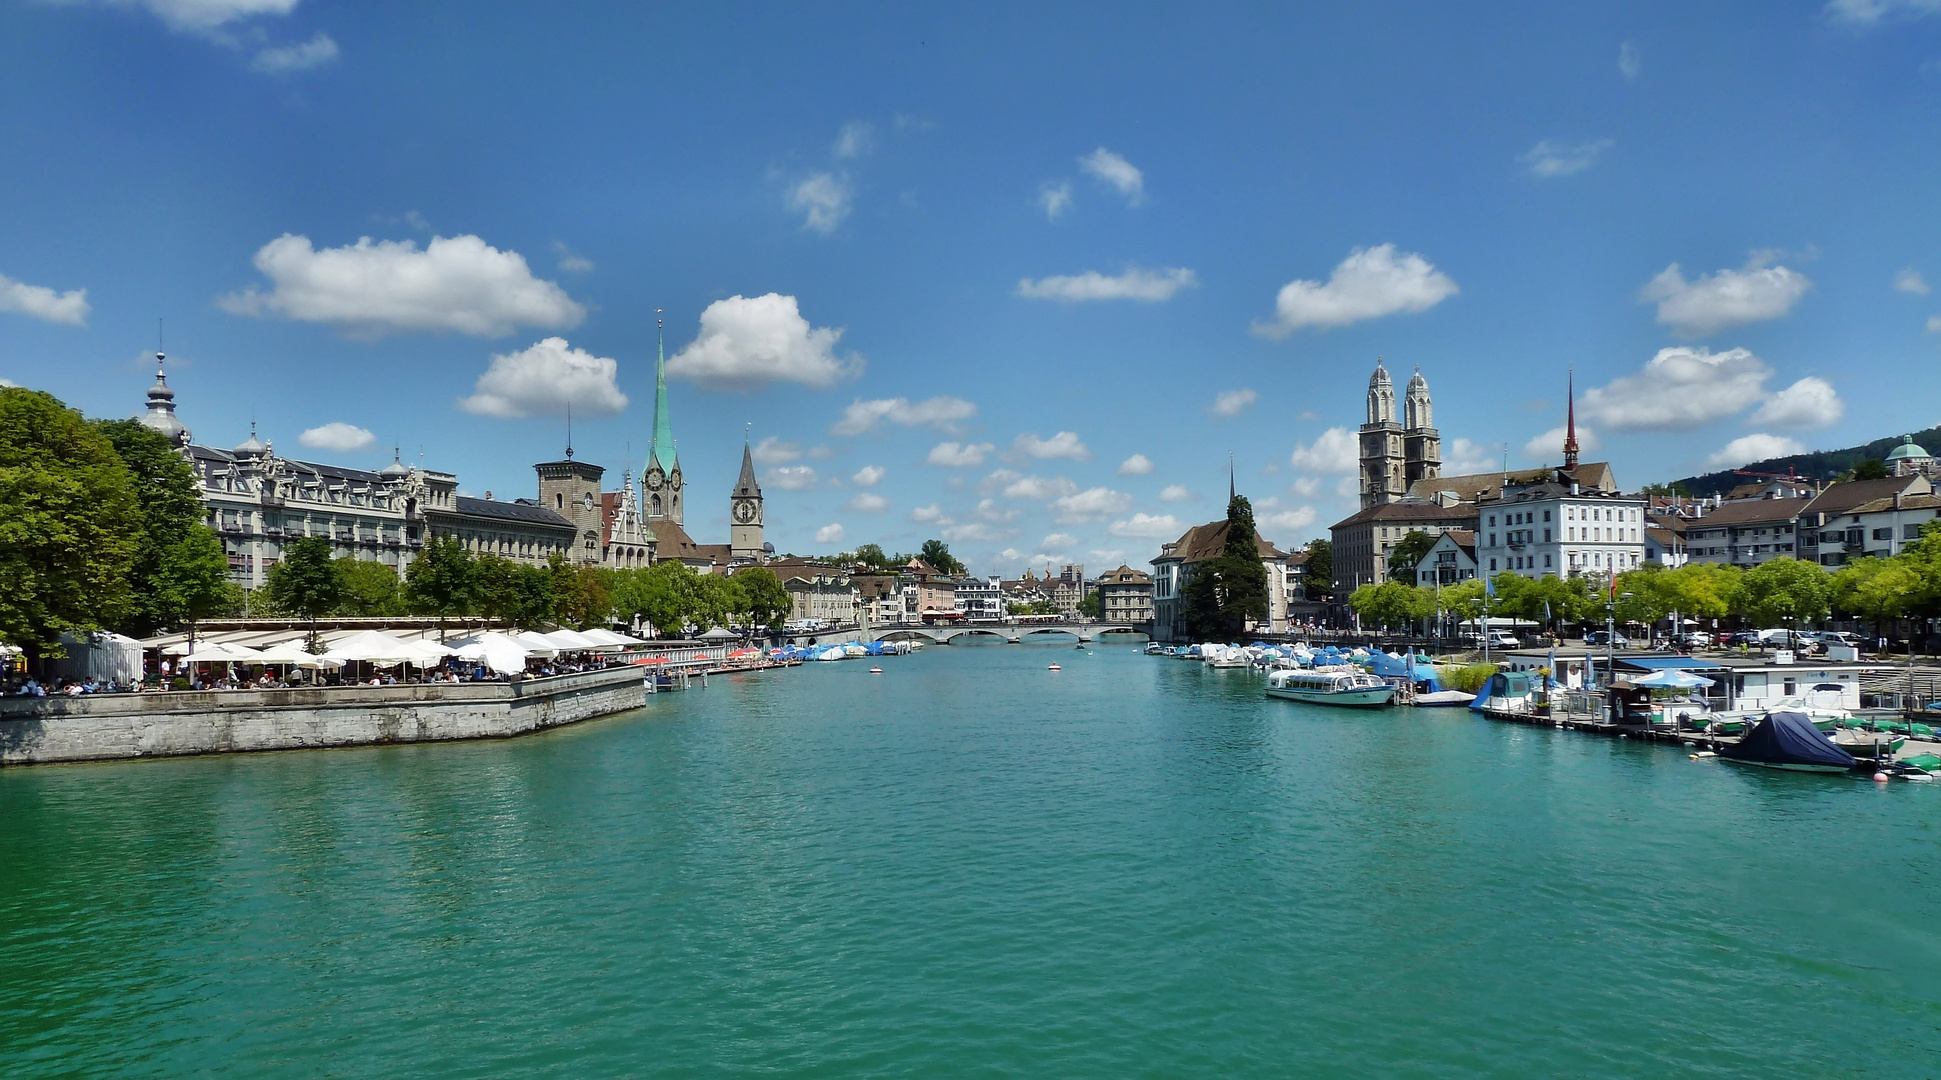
(1203, 542)
(1409, 510)
(1125, 575)
(1749, 512)
(1471, 486)
(1464, 539)
(670, 540)
(1843, 498)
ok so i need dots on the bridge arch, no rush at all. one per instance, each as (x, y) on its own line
(969, 632)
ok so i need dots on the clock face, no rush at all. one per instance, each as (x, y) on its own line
(675, 479)
(744, 511)
(653, 479)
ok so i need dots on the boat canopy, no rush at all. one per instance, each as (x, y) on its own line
(1503, 684)
(1787, 738)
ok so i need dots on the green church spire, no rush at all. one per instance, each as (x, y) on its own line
(662, 453)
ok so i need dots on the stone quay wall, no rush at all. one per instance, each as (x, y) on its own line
(109, 726)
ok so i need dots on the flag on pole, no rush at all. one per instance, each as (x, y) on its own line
(1553, 669)
(1613, 573)
(1489, 587)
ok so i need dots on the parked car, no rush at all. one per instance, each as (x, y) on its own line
(1695, 639)
(1614, 639)
(1503, 639)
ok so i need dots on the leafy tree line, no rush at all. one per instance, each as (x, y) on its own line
(450, 582)
(935, 552)
(1782, 592)
(100, 529)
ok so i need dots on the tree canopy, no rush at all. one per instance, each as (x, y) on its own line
(306, 581)
(937, 553)
(70, 524)
(1407, 554)
(1228, 591)
(179, 573)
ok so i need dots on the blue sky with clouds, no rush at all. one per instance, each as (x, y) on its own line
(1021, 277)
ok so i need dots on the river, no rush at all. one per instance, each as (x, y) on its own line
(971, 866)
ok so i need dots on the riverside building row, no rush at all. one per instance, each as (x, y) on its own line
(257, 500)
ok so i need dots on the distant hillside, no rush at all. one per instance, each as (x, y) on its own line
(1818, 465)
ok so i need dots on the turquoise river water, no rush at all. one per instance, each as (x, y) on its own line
(971, 866)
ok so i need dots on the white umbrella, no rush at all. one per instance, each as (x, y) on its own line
(293, 654)
(1671, 679)
(222, 652)
(538, 646)
(570, 641)
(374, 648)
(500, 652)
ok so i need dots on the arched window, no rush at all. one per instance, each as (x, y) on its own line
(559, 500)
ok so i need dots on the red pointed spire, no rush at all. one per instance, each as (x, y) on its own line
(1570, 424)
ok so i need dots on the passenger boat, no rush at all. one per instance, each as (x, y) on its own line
(1330, 688)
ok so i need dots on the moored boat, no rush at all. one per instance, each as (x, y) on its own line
(1352, 688)
(1788, 740)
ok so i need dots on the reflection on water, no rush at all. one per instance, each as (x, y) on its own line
(969, 865)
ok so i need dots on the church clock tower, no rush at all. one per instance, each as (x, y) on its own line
(745, 512)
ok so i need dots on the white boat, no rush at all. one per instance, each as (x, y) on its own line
(1330, 688)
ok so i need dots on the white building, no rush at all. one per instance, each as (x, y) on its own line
(1555, 527)
(1451, 561)
(981, 598)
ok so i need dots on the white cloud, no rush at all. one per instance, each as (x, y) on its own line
(1064, 444)
(543, 380)
(40, 302)
(977, 531)
(1549, 446)
(1729, 298)
(1630, 61)
(868, 502)
(8, 382)
(1288, 521)
(749, 340)
(1174, 493)
(854, 140)
(337, 436)
(1136, 465)
(989, 510)
(458, 283)
(1868, 13)
(955, 455)
(941, 413)
(1911, 281)
(1755, 447)
(1055, 199)
(823, 199)
(1934, 324)
(1145, 286)
(316, 52)
(926, 515)
(1550, 158)
(1148, 526)
(773, 451)
(1033, 487)
(1091, 504)
(1107, 556)
(1307, 487)
(1058, 540)
(829, 534)
(1369, 284)
(1465, 457)
(1334, 452)
(569, 261)
(867, 476)
(998, 479)
(1808, 403)
(1679, 389)
(1116, 172)
(207, 17)
(790, 478)
(1233, 402)
(1347, 487)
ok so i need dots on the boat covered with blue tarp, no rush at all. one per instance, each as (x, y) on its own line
(1788, 740)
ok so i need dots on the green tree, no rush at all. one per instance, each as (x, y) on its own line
(440, 581)
(937, 553)
(664, 595)
(1463, 600)
(1089, 607)
(368, 588)
(872, 555)
(70, 524)
(1785, 589)
(180, 573)
(305, 581)
(1869, 469)
(580, 597)
(1319, 573)
(1876, 589)
(1392, 604)
(1407, 554)
(769, 602)
(1230, 589)
(515, 592)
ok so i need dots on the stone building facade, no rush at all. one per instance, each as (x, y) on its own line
(1125, 597)
(1395, 455)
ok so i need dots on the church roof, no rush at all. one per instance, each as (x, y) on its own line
(662, 452)
(1907, 449)
(1591, 475)
(747, 484)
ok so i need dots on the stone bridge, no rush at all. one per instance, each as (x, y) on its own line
(1032, 633)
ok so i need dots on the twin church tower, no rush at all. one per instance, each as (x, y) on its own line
(1396, 455)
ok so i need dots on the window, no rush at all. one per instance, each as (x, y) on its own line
(1884, 534)
(1492, 565)
(1546, 515)
(1492, 521)
(1546, 562)
(1546, 535)
(1910, 532)
(559, 500)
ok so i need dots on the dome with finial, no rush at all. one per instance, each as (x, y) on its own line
(397, 470)
(161, 408)
(253, 447)
(1908, 450)
(1380, 377)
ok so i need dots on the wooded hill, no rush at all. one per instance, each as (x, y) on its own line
(1817, 465)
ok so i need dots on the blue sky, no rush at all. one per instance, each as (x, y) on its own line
(1027, 243)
